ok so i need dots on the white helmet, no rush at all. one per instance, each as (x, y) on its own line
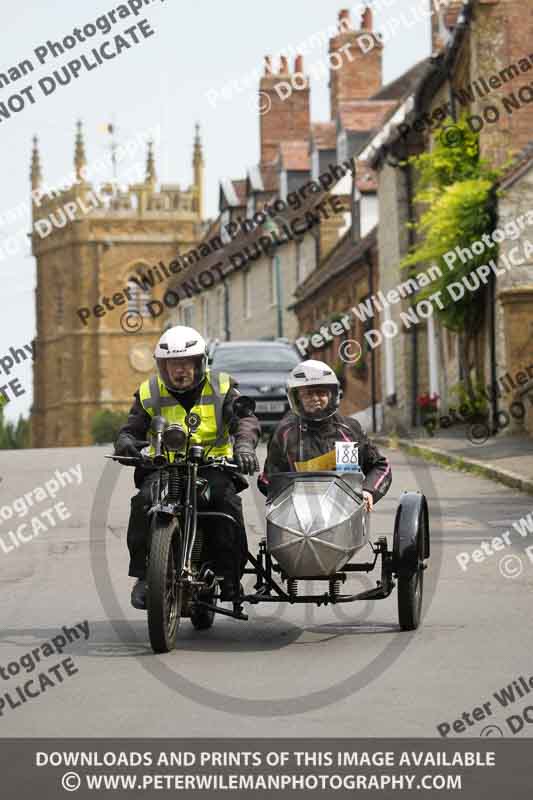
(313, 373)
(181, 342)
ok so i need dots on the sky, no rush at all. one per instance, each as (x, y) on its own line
(172, 79)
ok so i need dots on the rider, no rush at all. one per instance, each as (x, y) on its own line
(184, 384)
(305, 439)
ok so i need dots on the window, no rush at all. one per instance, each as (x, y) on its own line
(315, 165)
(220, 328)
(301, 265)
(205, 315)
(246, 295)
(138, 297)
(273, 283)
(225, 219)
(258, 357)
(283, 185)
(342, 147)
(187, 312)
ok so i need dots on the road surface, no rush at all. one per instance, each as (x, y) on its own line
(288, 671)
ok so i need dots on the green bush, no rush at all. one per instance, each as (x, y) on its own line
(14, 436)
(470, 405)
(106, 424)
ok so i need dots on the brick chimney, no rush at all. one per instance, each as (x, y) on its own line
(355, 61)
(284, 106)
(443, 21)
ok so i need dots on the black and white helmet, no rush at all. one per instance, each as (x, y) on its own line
(181, 342)
(313, 373)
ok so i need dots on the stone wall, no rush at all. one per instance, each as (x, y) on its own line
(83, 368)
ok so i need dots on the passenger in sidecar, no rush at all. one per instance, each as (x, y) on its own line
(314, 437)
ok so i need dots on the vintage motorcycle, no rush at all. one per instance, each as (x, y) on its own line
(316, 523)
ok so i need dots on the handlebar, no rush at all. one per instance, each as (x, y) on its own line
(147, 461)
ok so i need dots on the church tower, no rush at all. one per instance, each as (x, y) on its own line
(95, 335)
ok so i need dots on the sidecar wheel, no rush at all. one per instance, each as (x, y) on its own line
(163, 593)
(410, 593)
(410, 548)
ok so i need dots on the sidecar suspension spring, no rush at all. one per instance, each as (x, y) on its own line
(175, 485)
(292, 587)
(334, 590)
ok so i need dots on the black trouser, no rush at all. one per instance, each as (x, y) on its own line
(225, 544)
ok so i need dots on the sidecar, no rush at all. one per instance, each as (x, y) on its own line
(316, 525)
(315, 522)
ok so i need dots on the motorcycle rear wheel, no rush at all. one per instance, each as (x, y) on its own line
(163, 592)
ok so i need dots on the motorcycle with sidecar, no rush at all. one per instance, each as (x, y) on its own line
(316, 523)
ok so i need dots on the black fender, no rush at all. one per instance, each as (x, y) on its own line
(411, 523)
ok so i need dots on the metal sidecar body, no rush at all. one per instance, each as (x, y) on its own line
(316, 522)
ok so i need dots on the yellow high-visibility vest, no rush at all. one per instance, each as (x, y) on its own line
(213, 432)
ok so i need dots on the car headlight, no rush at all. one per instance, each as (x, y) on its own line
(174, 437)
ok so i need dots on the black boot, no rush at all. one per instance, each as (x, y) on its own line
(138, 595)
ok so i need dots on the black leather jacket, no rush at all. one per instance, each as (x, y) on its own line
(296, 440)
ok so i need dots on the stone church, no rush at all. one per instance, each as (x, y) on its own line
(89, 244)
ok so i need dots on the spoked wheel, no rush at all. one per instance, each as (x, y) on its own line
(163, 592)
(410, 548)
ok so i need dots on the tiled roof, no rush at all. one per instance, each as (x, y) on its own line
(364, 115)
(404, 84)
(344, 255)
(221, 257)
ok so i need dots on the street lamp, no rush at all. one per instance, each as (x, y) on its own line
(271, 227)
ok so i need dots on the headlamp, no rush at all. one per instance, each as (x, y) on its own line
(174, 437)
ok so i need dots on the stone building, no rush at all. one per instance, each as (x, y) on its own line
(294, 153)
(480, 54)
(89, 250)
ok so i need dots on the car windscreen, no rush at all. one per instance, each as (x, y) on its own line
(255, 359)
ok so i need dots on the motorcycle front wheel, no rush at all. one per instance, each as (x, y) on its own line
(164, 591)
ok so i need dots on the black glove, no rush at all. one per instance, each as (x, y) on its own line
(127, 446)
(246, 459)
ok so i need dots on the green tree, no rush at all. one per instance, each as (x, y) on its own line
(106, 424)
(13, 436)
(456, 190)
